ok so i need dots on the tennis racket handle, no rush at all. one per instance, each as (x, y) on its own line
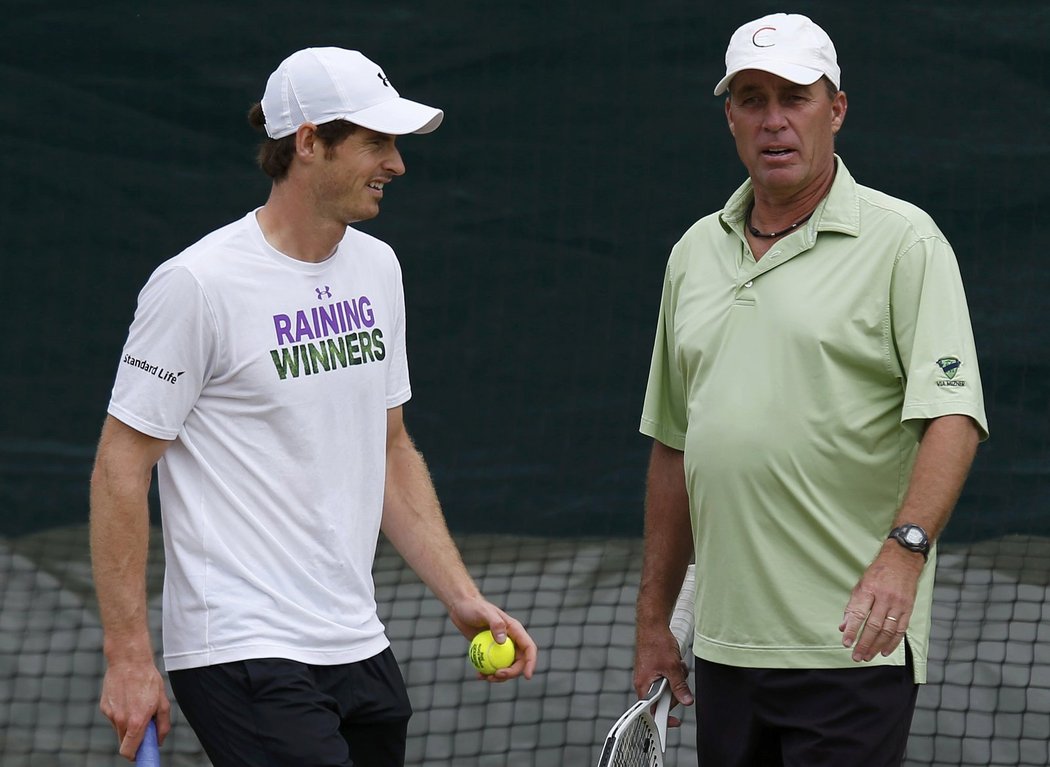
(148, 754)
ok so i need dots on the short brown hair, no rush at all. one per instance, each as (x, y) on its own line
(275, 155)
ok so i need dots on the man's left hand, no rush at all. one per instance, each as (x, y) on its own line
(477, 614)
(878, 611)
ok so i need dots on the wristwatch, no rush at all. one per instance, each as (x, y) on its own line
(913, 538)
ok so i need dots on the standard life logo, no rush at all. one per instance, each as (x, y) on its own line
(154, 370)
(324, 338)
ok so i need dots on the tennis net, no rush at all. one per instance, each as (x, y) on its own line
(987, 703)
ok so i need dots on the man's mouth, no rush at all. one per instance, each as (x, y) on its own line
(377, 185)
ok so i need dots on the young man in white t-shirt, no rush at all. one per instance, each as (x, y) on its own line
(264, 374)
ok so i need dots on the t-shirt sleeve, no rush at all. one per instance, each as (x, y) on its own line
(398, 385)
(168, 355)
(664, 415)
(933, 337)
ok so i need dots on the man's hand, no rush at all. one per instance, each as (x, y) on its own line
(657, 655)
(132, 694)
(878, 611)
(471, 616)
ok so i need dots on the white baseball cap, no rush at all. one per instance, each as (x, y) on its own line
(788, 45)
(318, 85)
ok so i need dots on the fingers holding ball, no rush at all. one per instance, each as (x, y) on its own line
(487, 656)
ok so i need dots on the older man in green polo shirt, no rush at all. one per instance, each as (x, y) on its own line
(815, 404)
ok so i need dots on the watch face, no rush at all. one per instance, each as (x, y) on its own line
(913, 536)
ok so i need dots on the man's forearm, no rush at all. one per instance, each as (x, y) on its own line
(668, 536)
(877, 616)
(942, 464)
(119, 545)
(415, 525)
(120, 538)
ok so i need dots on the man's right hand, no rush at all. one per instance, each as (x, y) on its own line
(133, 693)
(657, 655)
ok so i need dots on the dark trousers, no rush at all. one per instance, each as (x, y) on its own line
(273, 712)
(752, 717)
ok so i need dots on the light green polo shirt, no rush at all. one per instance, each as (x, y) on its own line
(797, 387)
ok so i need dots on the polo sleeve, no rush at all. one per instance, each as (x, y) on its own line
(933, 337)
(664, 416)
(167, 357)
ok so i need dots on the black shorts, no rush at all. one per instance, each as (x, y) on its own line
(753, 717)
(273, 712)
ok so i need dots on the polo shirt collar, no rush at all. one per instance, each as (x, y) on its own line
(839, 211)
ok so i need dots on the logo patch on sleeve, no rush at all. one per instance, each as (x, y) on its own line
(949, 368)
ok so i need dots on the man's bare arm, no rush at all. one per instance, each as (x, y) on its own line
(883, 599)
(668, 550)
(415, 525)
(132, 689)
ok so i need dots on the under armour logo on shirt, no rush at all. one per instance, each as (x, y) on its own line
(382, 77)
(323, 293)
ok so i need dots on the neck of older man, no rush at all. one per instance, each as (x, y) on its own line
(779, 212)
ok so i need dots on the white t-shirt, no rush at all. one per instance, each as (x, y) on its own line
(273, 377)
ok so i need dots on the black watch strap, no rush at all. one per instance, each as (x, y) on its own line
(913, 538)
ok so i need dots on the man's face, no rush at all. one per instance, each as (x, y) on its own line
(785, 133)
(352, 175)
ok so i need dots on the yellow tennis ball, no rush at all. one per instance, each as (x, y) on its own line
(487, 656)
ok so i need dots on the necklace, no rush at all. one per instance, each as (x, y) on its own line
(773, 235)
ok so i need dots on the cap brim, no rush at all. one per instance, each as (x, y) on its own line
(792, 72)
(397, 117)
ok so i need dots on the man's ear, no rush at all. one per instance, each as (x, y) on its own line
(839, 105)
(306, 141)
